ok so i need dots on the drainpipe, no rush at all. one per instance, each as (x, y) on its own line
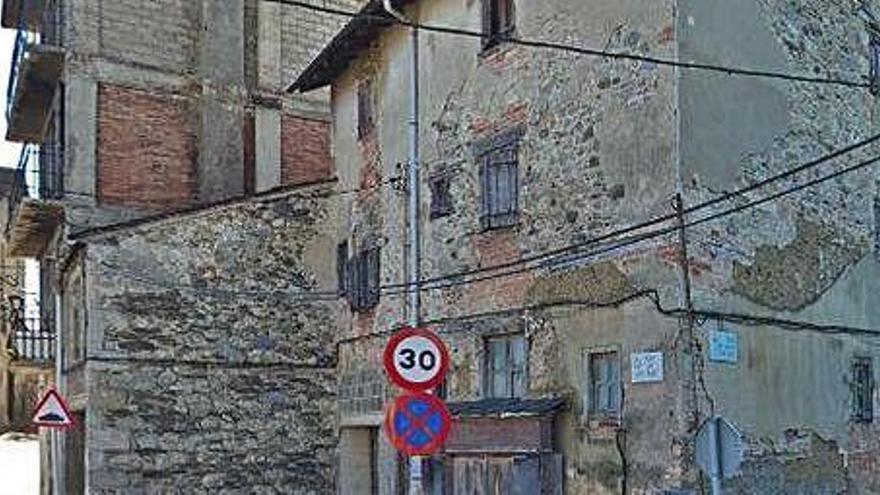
(413, 213)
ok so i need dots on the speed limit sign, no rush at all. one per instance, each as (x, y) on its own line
(416, 359)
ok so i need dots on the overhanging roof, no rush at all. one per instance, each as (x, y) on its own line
(355, 37)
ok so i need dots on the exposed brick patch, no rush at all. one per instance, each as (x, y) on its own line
(514, 114)
(146, 149)
(668, 34)
(305, 150)
(503, 57)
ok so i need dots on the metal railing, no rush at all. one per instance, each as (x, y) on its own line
(38, 175)
(29, 339)
(49, 31)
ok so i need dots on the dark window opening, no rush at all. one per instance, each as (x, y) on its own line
(862, 390)
(441, 198)
(362, 279)
(506, 366)
(498, 159)
(604, 384)
(365, 109)
(874, 53)
(341, 262)
(499, 24)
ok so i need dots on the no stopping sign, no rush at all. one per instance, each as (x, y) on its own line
(416, 359)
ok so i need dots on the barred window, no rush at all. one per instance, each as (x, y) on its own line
(862, 390)
(874, 52)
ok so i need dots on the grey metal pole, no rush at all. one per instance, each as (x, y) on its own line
(718, 468)
(415, 240)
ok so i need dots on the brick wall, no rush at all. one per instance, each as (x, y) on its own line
(305, 150)
(146, 149)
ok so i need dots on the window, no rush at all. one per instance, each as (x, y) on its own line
(498, 159)
(498, 21)
(441, 199)
(506, 370)
(862, 390)
(874, 53)
(365, 108)
(341, 262)
(604, 384)
(362, 279)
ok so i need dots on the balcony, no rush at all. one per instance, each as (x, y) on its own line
(36, 67)
(27, 353)
(28, 340)
(34, 211)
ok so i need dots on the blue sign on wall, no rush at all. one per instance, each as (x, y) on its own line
(723, 346)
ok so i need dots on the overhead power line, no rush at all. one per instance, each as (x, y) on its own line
(575, 247)
(581, 50)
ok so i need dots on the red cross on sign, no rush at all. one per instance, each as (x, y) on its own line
(417, 424)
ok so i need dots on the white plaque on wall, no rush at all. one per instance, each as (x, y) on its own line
(647, 367)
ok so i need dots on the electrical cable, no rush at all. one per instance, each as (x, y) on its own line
(579, 50)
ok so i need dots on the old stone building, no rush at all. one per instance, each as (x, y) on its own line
(142, 109)
(584, 360)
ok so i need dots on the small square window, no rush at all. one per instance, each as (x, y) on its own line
(862, 390)
(603, 379)
(506, 370)
(441, 199)
(365, 108)
(499, 21)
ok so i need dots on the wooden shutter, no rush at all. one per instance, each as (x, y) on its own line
(527, 475)
(352, 282)
(518, 366)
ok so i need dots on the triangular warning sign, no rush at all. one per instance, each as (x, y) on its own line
(52, 412)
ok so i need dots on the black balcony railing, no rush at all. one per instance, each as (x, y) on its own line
(38, 175)
(48, 31)
(28, 339)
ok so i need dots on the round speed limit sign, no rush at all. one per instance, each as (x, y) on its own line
(416, 359)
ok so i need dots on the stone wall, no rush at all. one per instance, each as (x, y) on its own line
(207, 369)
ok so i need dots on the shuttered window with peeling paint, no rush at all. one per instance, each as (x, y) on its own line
(498, 158)
(506, 366)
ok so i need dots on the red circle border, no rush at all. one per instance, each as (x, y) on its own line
(397, 378)
(436, 442)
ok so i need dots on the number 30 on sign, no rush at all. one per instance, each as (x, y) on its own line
(416, 359)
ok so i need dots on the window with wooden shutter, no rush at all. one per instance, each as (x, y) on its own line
(604, 384)
(498, 159)
(499, 21)
(862, 390)
(363, 279)
(506, 367)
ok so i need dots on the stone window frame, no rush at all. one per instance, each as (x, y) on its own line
(862, 388)
(365, 109)
(498, 159)
(591, 415)
(516, 375)
(498, 21)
